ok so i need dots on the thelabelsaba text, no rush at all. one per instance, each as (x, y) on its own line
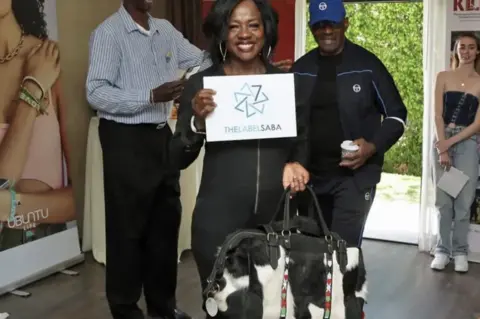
(253, 128)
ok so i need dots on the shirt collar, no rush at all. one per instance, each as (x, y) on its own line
(131, 25)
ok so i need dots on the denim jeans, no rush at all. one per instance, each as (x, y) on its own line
(464, 157)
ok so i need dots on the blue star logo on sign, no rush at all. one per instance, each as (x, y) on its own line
(250, 100)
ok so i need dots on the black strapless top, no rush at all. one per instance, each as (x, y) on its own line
(459, 108)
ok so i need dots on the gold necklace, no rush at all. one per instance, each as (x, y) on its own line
(15, 51)
(464, 80)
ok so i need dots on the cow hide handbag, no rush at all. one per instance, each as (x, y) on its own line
(290, 268)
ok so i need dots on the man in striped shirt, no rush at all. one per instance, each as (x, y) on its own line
(132, 80)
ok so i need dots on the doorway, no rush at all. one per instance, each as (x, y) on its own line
(394, 33)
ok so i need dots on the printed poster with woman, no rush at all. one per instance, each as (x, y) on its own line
(37, 209)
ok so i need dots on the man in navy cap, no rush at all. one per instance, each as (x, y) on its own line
(352, 99)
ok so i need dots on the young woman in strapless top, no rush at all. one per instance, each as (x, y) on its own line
(32, 143)
(457, 122)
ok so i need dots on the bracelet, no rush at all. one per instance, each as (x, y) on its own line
(13, 204)
(34, 80)
(28, 98)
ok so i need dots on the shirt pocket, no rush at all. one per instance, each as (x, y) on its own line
(164, 51)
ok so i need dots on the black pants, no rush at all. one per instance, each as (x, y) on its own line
(221, 211)
(344, 206)
(142, 207)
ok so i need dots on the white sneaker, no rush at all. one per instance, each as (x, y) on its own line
(461, 263)
(440, 262)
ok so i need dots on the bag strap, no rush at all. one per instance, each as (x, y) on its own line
(285, 200)
(300, 223)
(457, 109)
(273, 243)
(229, 243)
(279, 205)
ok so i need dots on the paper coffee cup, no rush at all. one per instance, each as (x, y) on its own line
(348, 147)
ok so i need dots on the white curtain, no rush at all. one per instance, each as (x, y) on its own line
(300, 27)
(435, 59)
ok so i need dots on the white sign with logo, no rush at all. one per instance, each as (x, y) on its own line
(251, 107)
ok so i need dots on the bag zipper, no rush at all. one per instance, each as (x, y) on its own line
(258, 178)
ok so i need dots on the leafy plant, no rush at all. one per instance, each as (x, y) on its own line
(393, 31)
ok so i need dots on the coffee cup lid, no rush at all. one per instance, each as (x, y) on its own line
(349, 146)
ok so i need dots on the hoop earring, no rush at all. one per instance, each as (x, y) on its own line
(224, 54)
(269, 51)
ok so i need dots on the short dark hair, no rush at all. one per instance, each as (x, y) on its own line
(215, 26)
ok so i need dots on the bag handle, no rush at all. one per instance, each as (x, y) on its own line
(286, 210)
(282, 201)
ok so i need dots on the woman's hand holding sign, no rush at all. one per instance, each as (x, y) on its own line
(203, 105)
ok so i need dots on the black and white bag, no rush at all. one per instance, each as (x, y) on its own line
(292, 268)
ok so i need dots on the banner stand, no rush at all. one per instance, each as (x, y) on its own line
(58, 268)
(43, 240)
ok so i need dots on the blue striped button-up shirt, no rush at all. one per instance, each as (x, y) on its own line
(126, 63)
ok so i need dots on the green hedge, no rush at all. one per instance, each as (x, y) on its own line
(393, 31)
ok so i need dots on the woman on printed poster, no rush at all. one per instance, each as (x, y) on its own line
(35, 198)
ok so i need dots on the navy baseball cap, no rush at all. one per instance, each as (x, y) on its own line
(326, 10)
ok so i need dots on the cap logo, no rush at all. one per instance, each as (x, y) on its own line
(322, 6)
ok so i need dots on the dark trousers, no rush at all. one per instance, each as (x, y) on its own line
(221, 211)
(344, 206)
(143, 211)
